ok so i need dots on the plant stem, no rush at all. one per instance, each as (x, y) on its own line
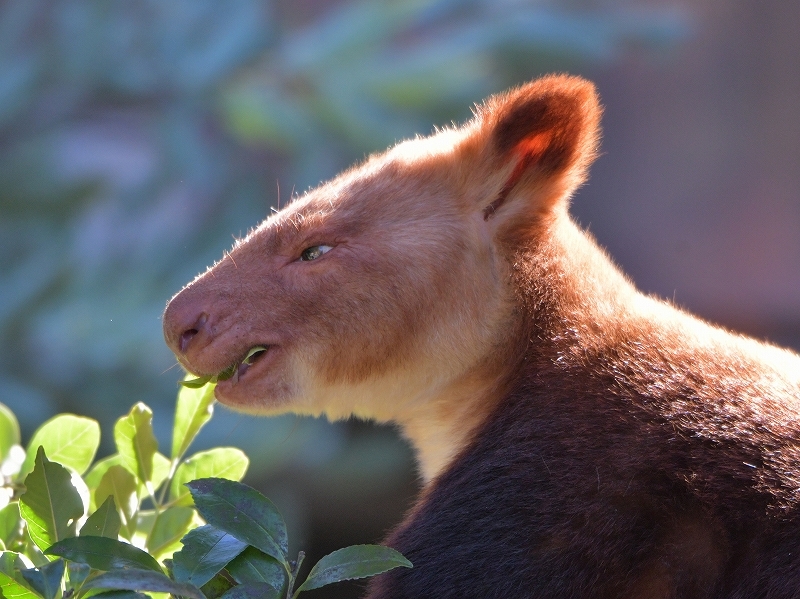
(151, 492)
(168, 481)
(293, 575)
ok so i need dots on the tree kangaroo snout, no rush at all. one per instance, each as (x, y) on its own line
(576, 437)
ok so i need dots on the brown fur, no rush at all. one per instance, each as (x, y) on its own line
(578, 438)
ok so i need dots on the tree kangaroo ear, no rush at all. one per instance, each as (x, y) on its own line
(533, 146)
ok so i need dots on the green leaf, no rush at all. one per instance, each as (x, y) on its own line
(144, 523)
(253, 566)
(216, 587)
(34, 555)
(11, 529)
(45, 580)
(100, 467)
(161, 467)
(9, 431)
(102, 553)
(243, 512)
(105, 522)
(254, 590)
(7, 561)
(220, 462)
(193, 410)
(358, 561)
(119, 483)
(67, 439)
(77, 573)
(11, 589)
(51, 505)
(206, 551)
(12, 562)
(120, 595)
(136, 443)
(211, 381)
(169, 526)
(197, 383)
(142, 580)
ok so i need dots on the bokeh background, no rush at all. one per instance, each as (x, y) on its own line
(137, 137)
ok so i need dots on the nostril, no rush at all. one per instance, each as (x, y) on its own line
(186, 339)
(189, 334)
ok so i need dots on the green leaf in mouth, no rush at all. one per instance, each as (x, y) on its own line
(225, 374)
(196, 383)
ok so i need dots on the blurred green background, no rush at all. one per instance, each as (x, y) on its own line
(137, 137)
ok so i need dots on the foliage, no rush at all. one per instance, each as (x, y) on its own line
(70, 528)
(56, 490)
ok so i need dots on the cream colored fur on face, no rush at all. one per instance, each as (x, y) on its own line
(445, 386)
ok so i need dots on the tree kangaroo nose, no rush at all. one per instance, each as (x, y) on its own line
(189, 334)
(185, 326)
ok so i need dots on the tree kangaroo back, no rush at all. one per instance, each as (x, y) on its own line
(576, 438)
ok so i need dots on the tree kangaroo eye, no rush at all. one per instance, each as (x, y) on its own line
(314, 252)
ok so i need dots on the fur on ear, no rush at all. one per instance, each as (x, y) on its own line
(539, 138)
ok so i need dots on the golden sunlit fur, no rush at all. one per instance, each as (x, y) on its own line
(456, 297)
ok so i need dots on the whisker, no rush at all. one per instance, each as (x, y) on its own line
(291, 431)
(170, 368)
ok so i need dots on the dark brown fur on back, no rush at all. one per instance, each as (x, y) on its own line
(614, 473)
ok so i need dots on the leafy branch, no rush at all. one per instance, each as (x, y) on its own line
(139, 522)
